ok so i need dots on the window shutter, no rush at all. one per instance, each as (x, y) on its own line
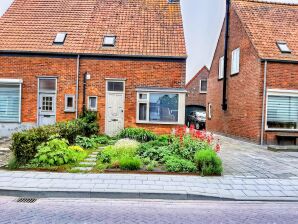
(221, 68)
(9, 103)
(235, 61)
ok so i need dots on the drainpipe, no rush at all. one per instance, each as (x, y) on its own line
(264, 103)
(224, 93)
(84, 93)
(77, 86)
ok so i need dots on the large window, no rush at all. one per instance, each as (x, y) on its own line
(159, 108)
(10, 102)
(282, 110)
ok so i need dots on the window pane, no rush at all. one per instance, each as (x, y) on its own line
(47, 85)
(9, 103)
(142, 111)
(116, 86)
(92, 102)
(143, 96)
(163, 107)
(69, 102)
(204, 85)
(282, 112)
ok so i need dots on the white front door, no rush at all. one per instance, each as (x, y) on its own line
(115, 98)
(47, 109)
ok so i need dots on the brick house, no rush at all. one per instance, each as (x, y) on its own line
(261, 73)
(124, 59)
(197, 90)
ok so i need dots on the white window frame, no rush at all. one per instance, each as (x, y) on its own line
(202, 91)
(235, 63)
(279, 92)
(14, 82)
(181, 108)
(96, 102)
(70, 109)
(221, 68)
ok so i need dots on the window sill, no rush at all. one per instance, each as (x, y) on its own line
(280, 130)
(220, 79)
(155, 122)
(69, 111)
(203, 92)
(234, 74)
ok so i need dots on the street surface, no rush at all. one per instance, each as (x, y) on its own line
(146, 211)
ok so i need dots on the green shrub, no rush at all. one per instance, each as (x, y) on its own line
(151, 166)
(130, 163)
(85, 142)
(176, 164)
(55, 153)
(12, 163)
(101, 140)
(88, 123)
(156, 153)
(208, 162)
(139, 134)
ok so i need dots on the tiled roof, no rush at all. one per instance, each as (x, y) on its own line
(142, 27)
(266, 23)
(204, 69)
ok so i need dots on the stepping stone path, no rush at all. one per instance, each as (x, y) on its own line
(88, 163)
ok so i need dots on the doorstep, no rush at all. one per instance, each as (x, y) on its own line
(46, 184)
(283, 148)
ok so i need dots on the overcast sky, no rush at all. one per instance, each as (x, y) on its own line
(202, 23)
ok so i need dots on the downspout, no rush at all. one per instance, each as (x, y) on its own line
(77, 86)
(224, 93)
(264, 103)
(84, 93)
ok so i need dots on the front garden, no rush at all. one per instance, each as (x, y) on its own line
(71, 146)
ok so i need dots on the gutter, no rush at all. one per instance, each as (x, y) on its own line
(77, 86)
(224, 93)
(93, 54)
(264, 103)
(279, 60)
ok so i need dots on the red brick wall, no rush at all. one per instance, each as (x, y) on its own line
(244, 90)
(281, 76)
(150, 73)
(194, 97)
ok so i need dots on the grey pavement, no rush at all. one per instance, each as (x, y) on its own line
(254, 161)
(87, 211)
(45, 184)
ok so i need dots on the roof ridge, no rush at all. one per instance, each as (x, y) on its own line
(197, 74)
(272, 2)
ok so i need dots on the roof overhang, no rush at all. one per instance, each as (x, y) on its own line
(279, 60)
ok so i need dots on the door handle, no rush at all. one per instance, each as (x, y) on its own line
(114, 119)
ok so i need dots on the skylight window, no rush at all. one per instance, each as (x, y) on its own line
(283, 47)
(109, 41)
(60, 38)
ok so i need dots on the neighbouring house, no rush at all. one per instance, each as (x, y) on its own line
(196, 91)
(124, 59)
(255, 96)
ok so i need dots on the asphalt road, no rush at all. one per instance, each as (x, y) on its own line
(145, 211)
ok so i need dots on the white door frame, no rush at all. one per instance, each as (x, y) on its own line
(115, 92)
(46, 92)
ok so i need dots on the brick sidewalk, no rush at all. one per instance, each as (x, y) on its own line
(146, 186)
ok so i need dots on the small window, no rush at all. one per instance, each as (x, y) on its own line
(221, 68)
(283, 47)
(203, 86)
(116, 86)
(235, 61)
(69, 103)
(47, 85)
(60, 38)
(92, 103)
(142, 96)
(109, 41)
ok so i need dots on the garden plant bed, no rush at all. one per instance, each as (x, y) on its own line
(76, 147)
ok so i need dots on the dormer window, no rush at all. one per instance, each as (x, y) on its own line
(60, 38)
(109, 41)
(283, 47)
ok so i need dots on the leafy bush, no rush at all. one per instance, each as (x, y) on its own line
(151, 166)
(139, 134)
(130, 163)
(55, 153)
(153, 152)
(85, 142)
(76, 148)
(176, 164)
(208, 162)
(24, 144)
(101, 140)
